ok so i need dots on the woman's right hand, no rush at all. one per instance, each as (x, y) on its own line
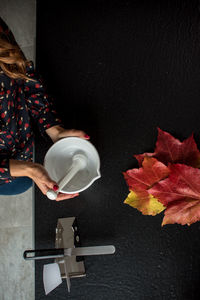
(38, 174)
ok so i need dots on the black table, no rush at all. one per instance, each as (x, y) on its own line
(118, 70)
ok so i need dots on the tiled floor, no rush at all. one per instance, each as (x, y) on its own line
(16, 212)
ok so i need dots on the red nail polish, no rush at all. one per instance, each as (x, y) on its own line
(55, 187)
(86, 136)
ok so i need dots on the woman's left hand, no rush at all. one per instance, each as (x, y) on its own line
(57, 132)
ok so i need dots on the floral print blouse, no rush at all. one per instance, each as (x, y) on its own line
(23, 103)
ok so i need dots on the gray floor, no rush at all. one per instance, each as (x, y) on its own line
(16, 212)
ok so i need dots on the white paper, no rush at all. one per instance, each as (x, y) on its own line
(51, 277)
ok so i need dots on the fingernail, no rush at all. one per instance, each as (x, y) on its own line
(86, 136)
(55, 187)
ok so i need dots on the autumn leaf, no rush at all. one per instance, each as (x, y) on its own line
(182, 212)
(180, 193)
(152, 171)
(140, 157)
(144, 202)
(140, 180)
(168, 176)
(171, 150)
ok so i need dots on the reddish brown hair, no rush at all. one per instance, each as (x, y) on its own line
(12, 60)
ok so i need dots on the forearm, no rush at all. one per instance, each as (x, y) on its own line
(19, 168)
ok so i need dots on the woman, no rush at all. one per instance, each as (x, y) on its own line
(23, 102)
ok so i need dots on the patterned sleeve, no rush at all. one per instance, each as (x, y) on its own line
(39, 104)
(5, 176)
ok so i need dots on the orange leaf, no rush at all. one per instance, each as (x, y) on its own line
(151, 172)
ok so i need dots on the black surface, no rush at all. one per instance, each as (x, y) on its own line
(119, 70)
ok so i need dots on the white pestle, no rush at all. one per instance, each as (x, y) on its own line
(79, 162)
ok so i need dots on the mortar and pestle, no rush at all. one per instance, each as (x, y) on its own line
(73, 163)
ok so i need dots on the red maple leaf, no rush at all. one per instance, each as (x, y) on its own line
(171, 150)
(180, 193)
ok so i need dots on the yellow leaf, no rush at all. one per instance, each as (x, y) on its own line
(144, 202)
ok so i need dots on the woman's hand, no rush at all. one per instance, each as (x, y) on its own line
(38, 174)
(57, 132)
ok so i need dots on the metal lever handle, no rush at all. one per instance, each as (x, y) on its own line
(61, 252)
(43, 254)
(87, 251)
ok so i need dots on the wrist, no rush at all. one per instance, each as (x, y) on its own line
(54, 132)
(20, 168)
